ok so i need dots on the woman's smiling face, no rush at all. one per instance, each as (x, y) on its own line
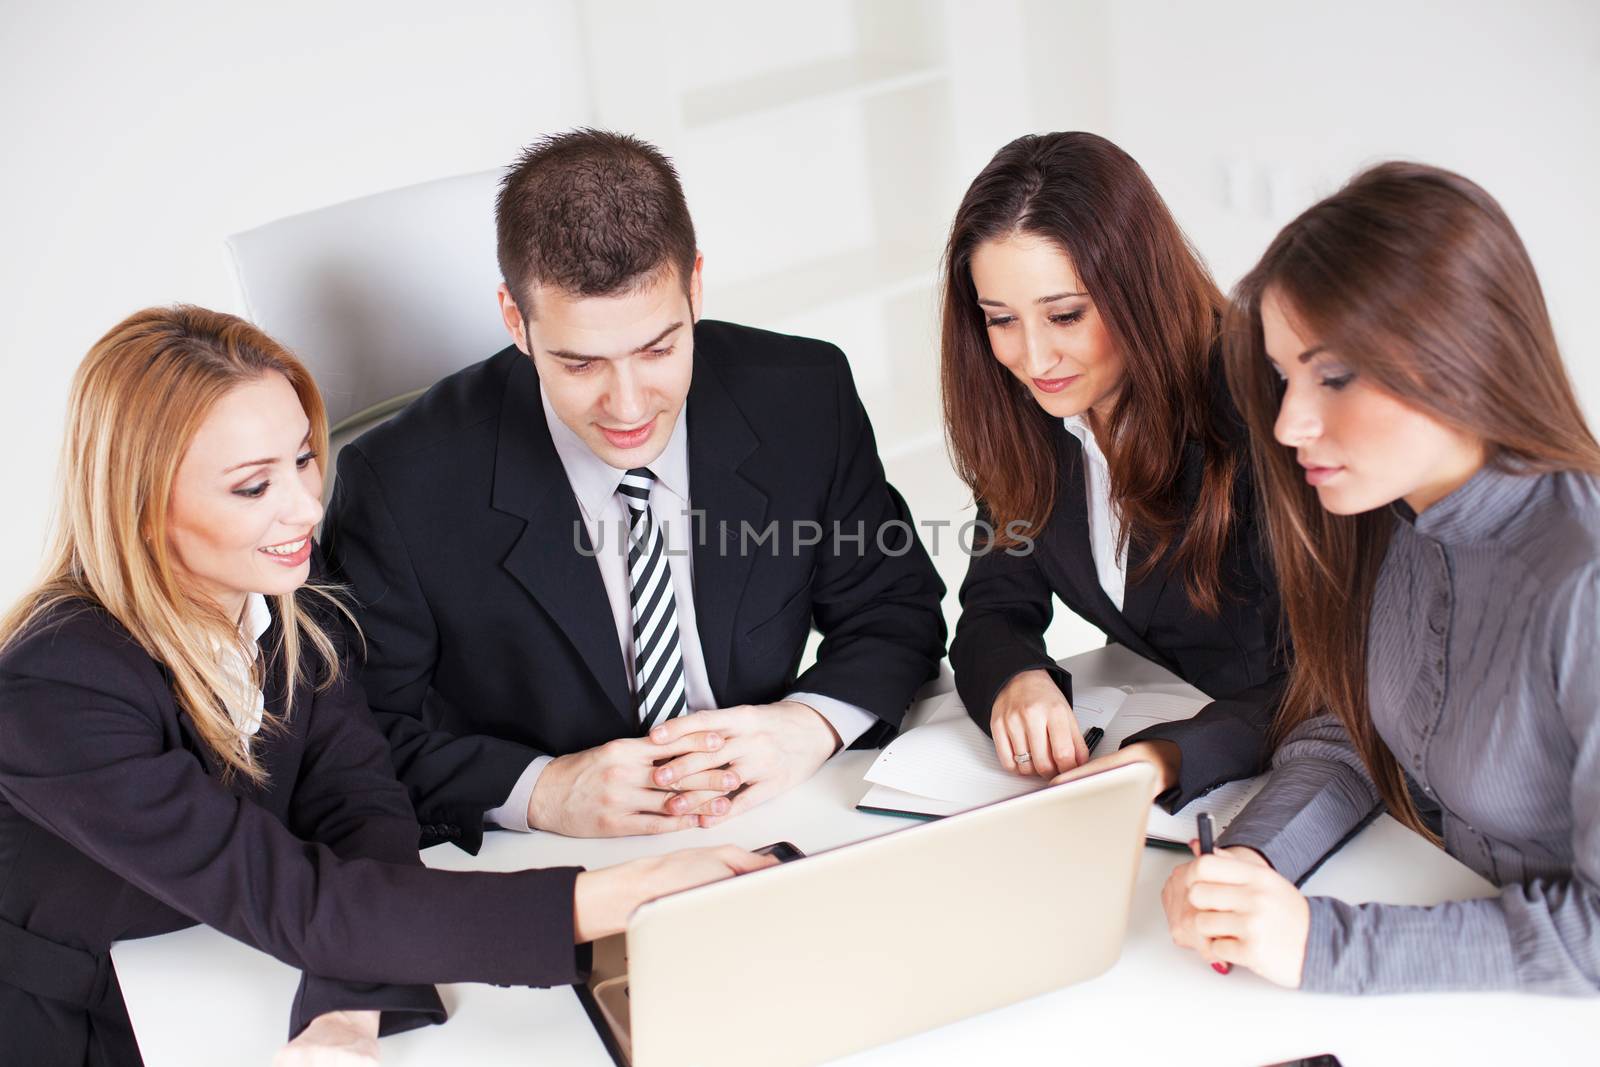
(1043, 325)
(247, 496)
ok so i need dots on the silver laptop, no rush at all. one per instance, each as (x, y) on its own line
(869, 942)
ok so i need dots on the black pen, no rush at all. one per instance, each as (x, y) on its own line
(1092, 738)
(1207, 846)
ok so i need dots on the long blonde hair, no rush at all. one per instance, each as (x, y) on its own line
(136, 402)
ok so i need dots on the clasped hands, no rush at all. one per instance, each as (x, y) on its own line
(694, 770)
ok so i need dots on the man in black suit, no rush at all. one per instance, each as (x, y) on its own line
(588, 566)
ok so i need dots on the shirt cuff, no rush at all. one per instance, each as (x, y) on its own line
(513, 814)
(847, 720)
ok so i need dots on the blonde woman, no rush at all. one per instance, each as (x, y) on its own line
(181, 741)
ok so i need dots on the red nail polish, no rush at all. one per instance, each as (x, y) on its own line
(1221, 968)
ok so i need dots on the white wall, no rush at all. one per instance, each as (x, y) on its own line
(823, 161)
(135, 142)
(137, 136)
(1292, 98)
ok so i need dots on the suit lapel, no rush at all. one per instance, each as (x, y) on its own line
(1072, 519)
(720, 441)
(208, 758)
(553, 559)
(1139, 601)
(275, 748)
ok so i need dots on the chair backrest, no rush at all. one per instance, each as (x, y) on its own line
(382, 296)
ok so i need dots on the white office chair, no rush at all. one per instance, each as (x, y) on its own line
(380, 297)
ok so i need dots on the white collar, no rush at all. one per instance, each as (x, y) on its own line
(237, 657)
(594, 481)
(1079, 427)
(257, 618)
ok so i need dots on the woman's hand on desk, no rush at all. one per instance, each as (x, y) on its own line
(1034, 729)
(1232, 907)
(334, 1039)
(603, 899)
(1162, 755)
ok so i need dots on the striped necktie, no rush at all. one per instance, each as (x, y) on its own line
(657, 659)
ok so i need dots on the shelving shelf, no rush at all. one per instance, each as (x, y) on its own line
(824, 188)
(865, 272)
(817, 83)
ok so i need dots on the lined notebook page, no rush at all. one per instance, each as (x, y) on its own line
(1098, 707)
(952, 760)
(1224, 803)
(950, 765)
(1145, 709)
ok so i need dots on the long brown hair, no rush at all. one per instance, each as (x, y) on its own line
(1417, 279)
(136, 402)
(1161, 308)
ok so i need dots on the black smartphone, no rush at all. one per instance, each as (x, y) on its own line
(781, 849)
(1327, 1059)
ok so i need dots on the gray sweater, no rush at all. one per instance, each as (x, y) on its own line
(1484, 681)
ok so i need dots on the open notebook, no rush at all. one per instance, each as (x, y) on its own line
(949, 765)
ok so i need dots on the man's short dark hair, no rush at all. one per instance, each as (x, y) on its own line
(592, 213)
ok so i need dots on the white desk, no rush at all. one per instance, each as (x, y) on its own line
(197, 997)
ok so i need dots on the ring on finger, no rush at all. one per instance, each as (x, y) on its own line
(1023, 757)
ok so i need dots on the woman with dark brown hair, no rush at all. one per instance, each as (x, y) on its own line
(1085, 408)
(1434, 515)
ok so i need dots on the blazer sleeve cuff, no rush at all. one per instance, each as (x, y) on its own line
(459, 815)
(404, 1007)
(531, 915)
(1003, 667)
(1213, 750)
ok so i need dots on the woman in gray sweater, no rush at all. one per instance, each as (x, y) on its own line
(1434, 515)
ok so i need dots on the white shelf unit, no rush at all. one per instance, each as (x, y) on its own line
(823, 173)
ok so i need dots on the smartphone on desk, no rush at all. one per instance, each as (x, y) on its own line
(783, 850)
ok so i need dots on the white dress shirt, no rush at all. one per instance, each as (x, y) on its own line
(1105, 522)
(239, 659)
(594, 483)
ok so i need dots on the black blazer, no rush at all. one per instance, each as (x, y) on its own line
(490, 638)
(115, 823)
(1238, 658)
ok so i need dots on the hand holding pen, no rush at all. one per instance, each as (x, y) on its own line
(1232, 907)
(1208, 846)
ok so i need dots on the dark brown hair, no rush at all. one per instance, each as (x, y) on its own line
(592, 213)
(1161, 309)
(1416, 278)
